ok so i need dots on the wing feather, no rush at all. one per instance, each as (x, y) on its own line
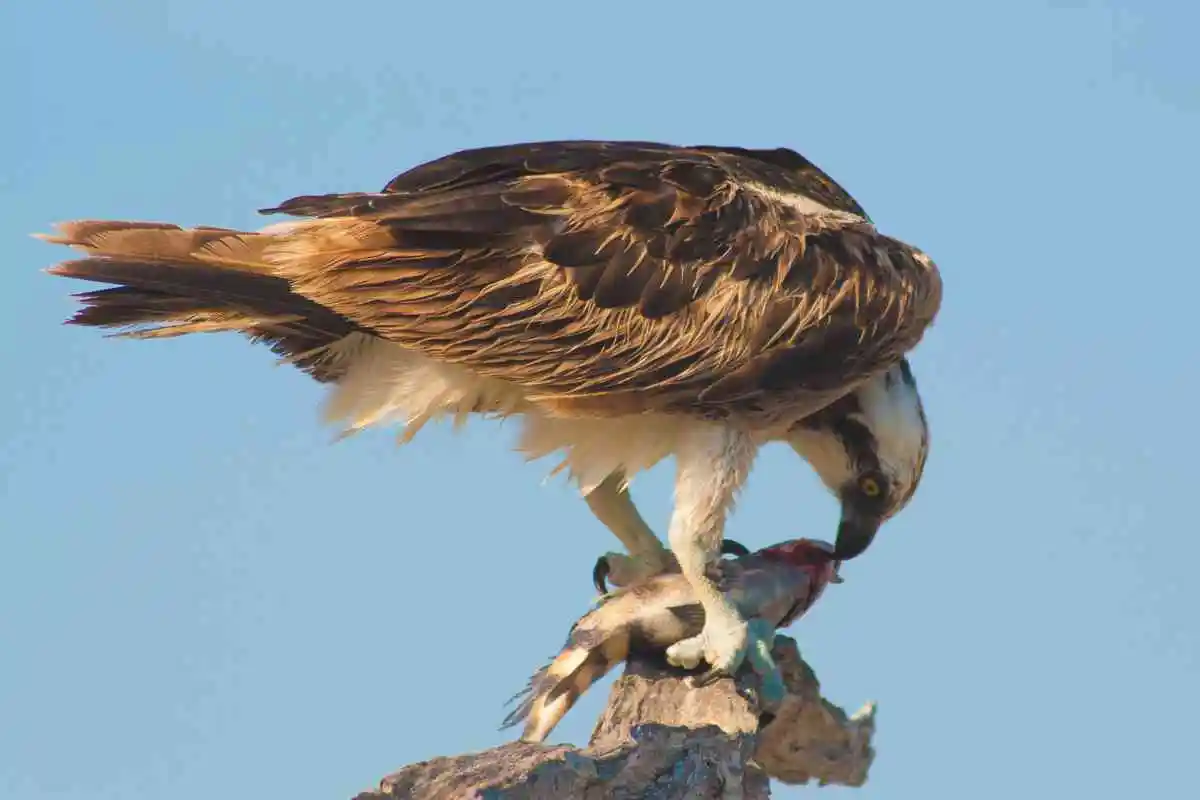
(619, 277)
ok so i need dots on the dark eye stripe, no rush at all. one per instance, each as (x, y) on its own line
(859, 443)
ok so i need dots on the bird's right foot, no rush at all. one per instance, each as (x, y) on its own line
(622, 570)
(625, 570)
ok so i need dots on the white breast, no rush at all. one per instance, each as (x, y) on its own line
(386, 384)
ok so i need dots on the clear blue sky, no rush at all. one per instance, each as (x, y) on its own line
(201, 596)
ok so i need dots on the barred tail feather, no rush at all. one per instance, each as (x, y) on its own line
(556, 687)
(170, 281)
(527, 696)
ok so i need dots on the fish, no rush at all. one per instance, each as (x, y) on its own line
(771, 587)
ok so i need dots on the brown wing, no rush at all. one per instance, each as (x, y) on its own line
(621, 277)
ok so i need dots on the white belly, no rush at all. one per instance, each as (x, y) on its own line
(385, 384)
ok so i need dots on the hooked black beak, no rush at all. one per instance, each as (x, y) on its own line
(855, 533)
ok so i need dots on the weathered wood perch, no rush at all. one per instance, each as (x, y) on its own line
(660, 738)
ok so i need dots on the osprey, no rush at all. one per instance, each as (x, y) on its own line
(627, 301)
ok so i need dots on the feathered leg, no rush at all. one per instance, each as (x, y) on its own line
(711, 470)
(611, 503)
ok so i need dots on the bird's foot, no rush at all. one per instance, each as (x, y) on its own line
(723, 643)
(625, 570)
(725, 647)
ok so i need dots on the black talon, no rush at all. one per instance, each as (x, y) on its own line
(731, 548)
(600, 575)
(600, 572)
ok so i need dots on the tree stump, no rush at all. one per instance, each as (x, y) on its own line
(661, 738)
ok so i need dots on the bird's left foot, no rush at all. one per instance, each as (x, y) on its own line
(725, 648)
(723, 643)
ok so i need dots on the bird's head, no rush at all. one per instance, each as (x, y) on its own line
(869, 448)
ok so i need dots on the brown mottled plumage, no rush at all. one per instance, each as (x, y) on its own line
(628, 301)
(603, 278)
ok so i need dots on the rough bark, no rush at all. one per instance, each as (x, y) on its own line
(660, 738)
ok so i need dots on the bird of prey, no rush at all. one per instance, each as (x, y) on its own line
(628, 301)
(772, 588)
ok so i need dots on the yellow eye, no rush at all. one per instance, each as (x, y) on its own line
(870, 487)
